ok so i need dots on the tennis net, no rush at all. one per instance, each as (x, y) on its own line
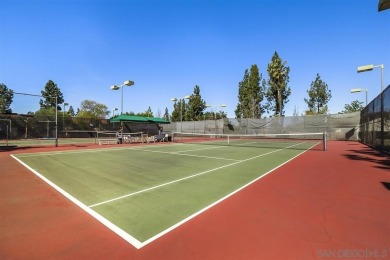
(299, 141)
(86, 136)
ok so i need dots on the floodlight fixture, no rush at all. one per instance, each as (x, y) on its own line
(356, 90)
(117, 87)
(365, 68)
(215, 115)
(383, 5)
(128, 83)
(371, 67)
(221, 105)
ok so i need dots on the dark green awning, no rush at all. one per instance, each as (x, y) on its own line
(157, 120)
(139, 119)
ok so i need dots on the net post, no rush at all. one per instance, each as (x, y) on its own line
(324, 141)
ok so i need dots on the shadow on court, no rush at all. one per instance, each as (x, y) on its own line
(381, 160)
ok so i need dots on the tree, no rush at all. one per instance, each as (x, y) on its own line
(250, 94)
(147, 113)
(355, 106)
(6, 98)
(71, 111)
(49, 111)
(158, 113)
(179, 110)
(195, 107)
(319, 96)
(49, 93)
(215, 115)
(131, 113)
(166, 115)
(241, 94)
(92, 109)
(278, 90)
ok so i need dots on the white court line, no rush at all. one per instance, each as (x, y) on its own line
(186, 178)
(127, 237)
(162, 233)
(191, 155)
(92, 150)
(215, 147)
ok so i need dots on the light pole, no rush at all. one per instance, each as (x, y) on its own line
(181, 109)
(113, 112)
(25, 132)
(63, 117)
(356, 90)
(116, 87)
(371, 67)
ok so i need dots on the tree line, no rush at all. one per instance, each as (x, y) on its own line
(88, 108)
(193, 110)
(257, 96)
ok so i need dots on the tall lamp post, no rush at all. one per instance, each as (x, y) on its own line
(63, 117)
(181, 109)
(117, 87)
(371, 67)
(356, 90)
(113, 112)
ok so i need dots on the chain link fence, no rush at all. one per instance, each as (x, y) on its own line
(338, 127)
(375, 122)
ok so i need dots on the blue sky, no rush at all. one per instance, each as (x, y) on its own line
(167, 47)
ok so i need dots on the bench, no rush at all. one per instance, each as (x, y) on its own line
(108, 141)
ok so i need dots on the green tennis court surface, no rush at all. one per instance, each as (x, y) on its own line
(143, 192)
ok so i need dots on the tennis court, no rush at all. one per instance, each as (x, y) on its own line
(143, 192)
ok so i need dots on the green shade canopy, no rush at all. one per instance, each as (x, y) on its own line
(157, 120)
(139, 119)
